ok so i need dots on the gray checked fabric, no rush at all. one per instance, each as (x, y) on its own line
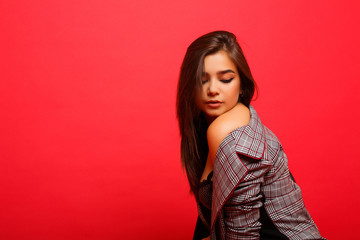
(251, 170)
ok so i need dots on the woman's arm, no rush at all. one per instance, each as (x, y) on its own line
(284, 202)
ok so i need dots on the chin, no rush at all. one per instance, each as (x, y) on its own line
(213, 114)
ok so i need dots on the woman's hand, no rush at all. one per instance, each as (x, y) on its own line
(207, 238)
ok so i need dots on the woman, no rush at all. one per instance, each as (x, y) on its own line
(236, 167)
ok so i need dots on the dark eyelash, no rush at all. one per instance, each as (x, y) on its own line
(227, 80)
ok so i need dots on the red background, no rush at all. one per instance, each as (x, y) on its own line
(89, 140)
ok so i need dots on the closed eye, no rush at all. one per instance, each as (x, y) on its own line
(227, 80)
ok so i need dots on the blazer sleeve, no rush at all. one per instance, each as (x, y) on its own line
(284, 202)
(242, 183)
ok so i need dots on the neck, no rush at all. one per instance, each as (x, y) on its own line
(209, 119)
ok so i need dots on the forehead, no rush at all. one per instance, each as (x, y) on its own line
(218, 62)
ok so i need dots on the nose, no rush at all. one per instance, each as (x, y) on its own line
(212, 88)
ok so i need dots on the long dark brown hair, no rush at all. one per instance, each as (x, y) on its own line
(192, 123)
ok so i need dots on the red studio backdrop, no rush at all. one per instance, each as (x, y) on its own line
(89, 145)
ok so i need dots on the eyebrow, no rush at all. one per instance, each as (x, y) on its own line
(222, 72)
(226, 71)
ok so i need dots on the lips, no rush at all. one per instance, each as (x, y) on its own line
(213, 103)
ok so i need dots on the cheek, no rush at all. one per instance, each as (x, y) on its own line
(235, 92)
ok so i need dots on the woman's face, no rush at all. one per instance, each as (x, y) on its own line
(220, 88)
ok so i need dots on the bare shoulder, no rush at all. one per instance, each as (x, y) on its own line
(236, 117)
(232, 119)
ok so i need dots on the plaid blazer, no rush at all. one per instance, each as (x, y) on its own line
(250, 171)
